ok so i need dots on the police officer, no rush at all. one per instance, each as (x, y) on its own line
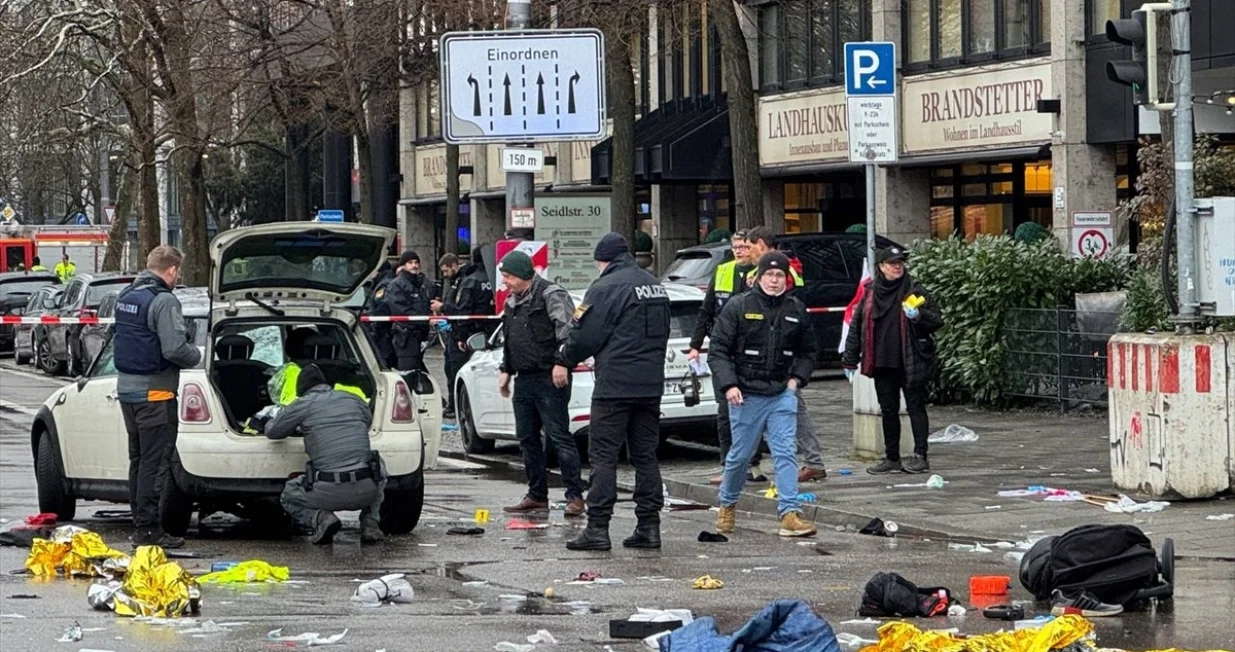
(408, 296)
(763, 353)
(380, 333)
(343, 472)
(151, 347)
(470, 294)
(623, 324)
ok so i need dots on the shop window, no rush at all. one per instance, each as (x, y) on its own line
(941, 33)
(975, 199)
(981, 27)
(800, 41)
(1101, 11)
(943, 221)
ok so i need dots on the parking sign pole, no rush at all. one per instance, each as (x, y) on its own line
(520, 194)
(870, 218)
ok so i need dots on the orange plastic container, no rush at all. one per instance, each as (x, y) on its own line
(989, 584)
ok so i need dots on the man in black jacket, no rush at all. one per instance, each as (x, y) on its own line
(623, 324)
(891, 336)
(470, 294)
(536, 320)
(408, 296)
(380, 333)
(763, 353)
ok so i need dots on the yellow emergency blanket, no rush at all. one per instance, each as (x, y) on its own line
(707, 582)
(254, 570)
(73, 551)
(155, 586)
(1058, 633)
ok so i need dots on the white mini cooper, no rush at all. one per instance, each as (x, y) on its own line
(267, 283)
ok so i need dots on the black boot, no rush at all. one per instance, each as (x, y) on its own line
(325, 527)
(595, 537)
(647, 535)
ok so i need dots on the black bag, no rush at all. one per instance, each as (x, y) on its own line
(1116, 563)
(888, 595)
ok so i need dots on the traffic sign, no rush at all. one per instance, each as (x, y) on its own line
(523, 218)
(8, 213)
(523, 159)
(1092, 233)
(870, 91)
(80, 219)
(534, 85)
(1092, 243)
(110, 213)
(870, 68)
(329, 215)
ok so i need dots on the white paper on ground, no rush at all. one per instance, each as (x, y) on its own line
(662, 615)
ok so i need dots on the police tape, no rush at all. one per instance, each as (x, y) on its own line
(432, 318)
(51, 320)
(816, 311)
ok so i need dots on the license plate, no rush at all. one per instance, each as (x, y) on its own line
(672, 388)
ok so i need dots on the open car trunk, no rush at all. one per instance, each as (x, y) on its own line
(247, 353)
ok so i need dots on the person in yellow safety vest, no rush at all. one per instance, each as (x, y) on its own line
(37, 265)
(65, 269)
(282, 385)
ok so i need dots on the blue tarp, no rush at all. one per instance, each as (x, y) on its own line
(783, 626)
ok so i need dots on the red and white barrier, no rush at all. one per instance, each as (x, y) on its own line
(432, 318)
(816, 311)
(51, 320)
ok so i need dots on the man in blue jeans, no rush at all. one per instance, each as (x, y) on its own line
(536, 321)
(762, 353)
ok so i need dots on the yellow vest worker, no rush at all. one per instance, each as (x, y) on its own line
(282, 386)
(65, 270)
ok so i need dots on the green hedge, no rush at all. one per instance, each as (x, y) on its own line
(978, 285)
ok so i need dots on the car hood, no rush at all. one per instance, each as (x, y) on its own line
(296, 260)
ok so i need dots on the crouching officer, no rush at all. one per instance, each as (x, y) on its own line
(408, 296)
(624, 324)
(343, 473)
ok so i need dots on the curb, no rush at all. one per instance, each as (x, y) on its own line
(753, 504)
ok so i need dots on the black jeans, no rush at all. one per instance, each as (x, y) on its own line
(538, 404)
(455, 359)
(724, 430)
(889, 384)
(636, 422)
(152, 429)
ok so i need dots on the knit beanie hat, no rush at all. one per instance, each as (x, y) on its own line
(774, 260)
(517, 264)
(611, 246)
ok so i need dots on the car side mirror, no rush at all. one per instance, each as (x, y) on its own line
(81, 382)
(477, 342)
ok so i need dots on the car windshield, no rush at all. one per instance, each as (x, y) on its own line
(100, 289)
(23, 286)
(682, 318)
(691, 264)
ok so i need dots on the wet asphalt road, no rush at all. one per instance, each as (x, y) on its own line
(451, 613)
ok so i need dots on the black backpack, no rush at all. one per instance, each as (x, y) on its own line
(1116, 563)
(888, 595)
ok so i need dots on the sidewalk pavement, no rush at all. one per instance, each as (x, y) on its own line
(1015, 450)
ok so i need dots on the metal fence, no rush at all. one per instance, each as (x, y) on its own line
(1059, 355)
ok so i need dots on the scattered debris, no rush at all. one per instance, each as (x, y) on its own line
(853, 640)
(846, 471)
(1126, 505)
(247, 572)
(520, 524)
(542, 636)
(707, 582)
(880, 528)
(770, 492)
(934, 482)
(11, 616)
(587, 576)
(393, 588)
(806, 498)
(507, 646)
(956, 611)
(953, 434)
(31, 596)
(864, 621)
(476, 583)
(1092, 471)
(994, 507)
(1049, 494)
(1211, 517)
(312, 638)
(73, 633)
(466, 531)
(712, 537)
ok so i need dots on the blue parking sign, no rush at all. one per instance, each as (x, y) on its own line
(870, 68)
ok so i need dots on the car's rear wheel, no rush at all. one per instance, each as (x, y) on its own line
(472, 441)
(401, 508)
(175, 506)
(53, 495)
(47, 363)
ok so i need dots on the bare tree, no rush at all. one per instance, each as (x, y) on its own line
(743, 128)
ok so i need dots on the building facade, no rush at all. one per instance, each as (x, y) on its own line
(1006, 118)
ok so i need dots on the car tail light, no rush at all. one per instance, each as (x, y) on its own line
(586, 365)
(581, 418)
(88, 312)
(193, 408)
(403, 410)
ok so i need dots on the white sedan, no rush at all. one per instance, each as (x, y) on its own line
(484, 416)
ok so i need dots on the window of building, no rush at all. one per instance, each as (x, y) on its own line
(941, 33)
(713, 202)
(1101, 11)
(978, 198)
(800, 41)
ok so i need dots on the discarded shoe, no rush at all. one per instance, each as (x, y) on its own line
(712, 537)
(1082, 603)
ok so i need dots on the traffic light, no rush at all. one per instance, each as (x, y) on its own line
(1141, 73)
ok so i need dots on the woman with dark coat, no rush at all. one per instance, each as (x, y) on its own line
(890, 336)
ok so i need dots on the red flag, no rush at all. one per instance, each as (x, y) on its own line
(857, 298)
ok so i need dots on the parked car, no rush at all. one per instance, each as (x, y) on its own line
(15, 291)
(697, 265)
(195, 304)
(266, 281)
(26, 336)
(60, 347)
(484, 416)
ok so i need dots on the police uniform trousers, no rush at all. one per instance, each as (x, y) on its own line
(635, 422)
(304, 506)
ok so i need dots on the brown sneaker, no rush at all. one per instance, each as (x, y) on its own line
(726, 519)
(527, 505)
(576, 508)
(793, 525)
(808, 474)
